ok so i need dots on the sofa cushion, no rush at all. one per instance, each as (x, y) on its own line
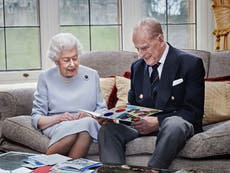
(118, 61)
(107, 85)
(219, 64)
(146, 145)
(20, 130)
(122, 85)
(217, 99)
(213, 142)
(204, 55)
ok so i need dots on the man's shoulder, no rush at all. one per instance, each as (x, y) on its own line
(139, 62)
(180, 53)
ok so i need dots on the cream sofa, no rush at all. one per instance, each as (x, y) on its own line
(208, 151)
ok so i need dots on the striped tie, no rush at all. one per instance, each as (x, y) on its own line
(154, 78)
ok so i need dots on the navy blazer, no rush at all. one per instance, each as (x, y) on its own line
(186, 99)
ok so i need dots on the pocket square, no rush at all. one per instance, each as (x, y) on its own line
(177, 82)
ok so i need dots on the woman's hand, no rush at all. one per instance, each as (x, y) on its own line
(80, 115)
(65, 117)
(47, 121)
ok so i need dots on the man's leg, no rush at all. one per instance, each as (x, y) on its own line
(112, 141)
(172, 136)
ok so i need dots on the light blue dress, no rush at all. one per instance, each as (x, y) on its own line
(56, 94)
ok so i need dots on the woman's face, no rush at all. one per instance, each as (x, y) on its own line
(68, 63)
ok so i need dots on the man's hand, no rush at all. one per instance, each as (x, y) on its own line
(146, 125)
(103, 121)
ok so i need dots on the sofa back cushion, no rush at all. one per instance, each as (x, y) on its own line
(108, 88)
(123, 86)
(219, 64)
(109, 63)
(204, 55)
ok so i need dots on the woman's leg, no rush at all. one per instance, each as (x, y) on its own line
(63, 146)
(81, 145)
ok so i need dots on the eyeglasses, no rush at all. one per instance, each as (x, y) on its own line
(67, 60)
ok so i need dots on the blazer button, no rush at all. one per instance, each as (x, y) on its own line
(141, 96)
(172, 98)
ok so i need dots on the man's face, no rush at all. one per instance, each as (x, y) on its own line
(68, 63)
(150, 49)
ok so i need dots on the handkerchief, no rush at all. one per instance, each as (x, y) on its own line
(177, 82)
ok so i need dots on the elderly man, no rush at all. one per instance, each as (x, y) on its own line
(164, 78)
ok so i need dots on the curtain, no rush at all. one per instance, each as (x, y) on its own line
(221, 9)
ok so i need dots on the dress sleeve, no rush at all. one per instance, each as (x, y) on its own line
(40, 103)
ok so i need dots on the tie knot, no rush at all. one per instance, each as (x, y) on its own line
(155, 66)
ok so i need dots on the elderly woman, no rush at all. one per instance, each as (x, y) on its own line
(62, 93)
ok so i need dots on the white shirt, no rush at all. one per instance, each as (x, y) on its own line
(161, 61)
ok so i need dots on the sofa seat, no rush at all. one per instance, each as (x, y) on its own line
(208, 151)
(213, 142)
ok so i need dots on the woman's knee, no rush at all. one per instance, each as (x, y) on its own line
(84, 137)
(90, 121)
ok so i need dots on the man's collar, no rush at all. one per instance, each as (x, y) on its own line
(163, 57)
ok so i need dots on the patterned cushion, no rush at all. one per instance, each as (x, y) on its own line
(107, 86)
(20, 130)
(122, 85)
(213, 142)
(217, 99)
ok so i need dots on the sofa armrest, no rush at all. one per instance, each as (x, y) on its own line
(7, 107)
(15, 99)
(23, 97)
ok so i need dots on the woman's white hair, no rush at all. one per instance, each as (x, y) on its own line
(62, 42)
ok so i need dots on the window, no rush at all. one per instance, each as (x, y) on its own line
(178, 19)
(96, 23)
(26, 27)
(19, 34)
